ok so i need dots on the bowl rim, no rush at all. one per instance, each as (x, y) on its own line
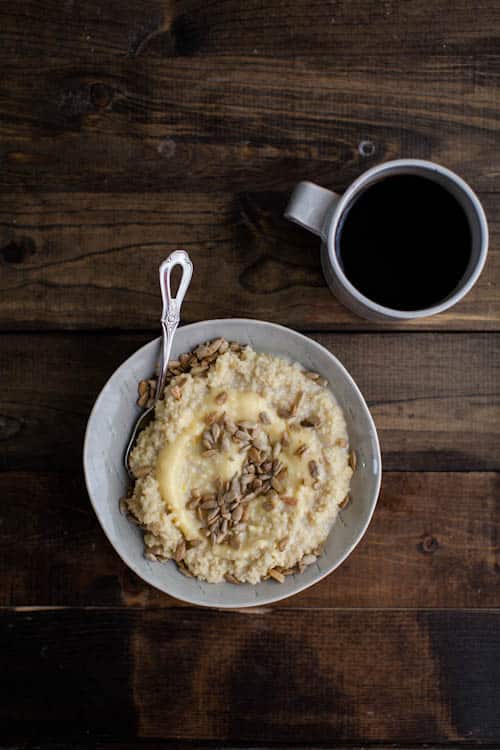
(265, 600)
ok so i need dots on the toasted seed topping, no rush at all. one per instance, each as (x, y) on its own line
(285, 440)
(176, 392)
(344, 502)
(184, 569)
(193, 503)
(276, 449)
(312, 375)
(313, 469)
(312, 421)
(276, 485)
(191, 543)
(264, 418)
(301, 449)
(209, 452)
(143, 387)
(353, 460)
(284, 413)
(180, 551)
(150, 556)
(210, 418)
(277, 575)
(341, 443)
(282, 543)
(268, 505)
(234, 542)
(230, 578)
(221, 398)
(288, 500)
(296, 402)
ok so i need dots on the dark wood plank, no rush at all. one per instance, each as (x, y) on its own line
(91, 261)
(283, 676)
(435, 397)
(191, 95)
(440, 529)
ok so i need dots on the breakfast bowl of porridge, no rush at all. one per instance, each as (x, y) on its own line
(257, 475)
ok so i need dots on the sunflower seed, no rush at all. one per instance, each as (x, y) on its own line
(274, 573)
(281, 474)
(311, 375)
(193, 503)
(143, 387)
(264, 418)
(237, 514)
(193, 543)
(313, 421)
(301, 449)
(353, 460)
(313, 469)
(176, 392)
(284, 413)
(180, 551)
(209, 452)
(143, 400)
(268, 505)
(344, 502)
(230, 578)
(184, 570)
(212, 515)
(234, 542)
(288, 500)
(215, 430)
(150, 556)
(276, 449)
(276, 485)
(210, 418)
(225, 443)
(209, 504)
(341, 443)
(296, 403)
(282, 543)
(221, 398)
(285, 440)
(208, 443)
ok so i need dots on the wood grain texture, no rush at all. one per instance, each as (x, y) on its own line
(435, 397)
(191, 95)
(284, 676)
(91, 261)
(433, 542)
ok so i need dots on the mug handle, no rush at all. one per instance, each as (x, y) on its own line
(310, 205)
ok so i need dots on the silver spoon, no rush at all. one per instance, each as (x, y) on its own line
(169, 321)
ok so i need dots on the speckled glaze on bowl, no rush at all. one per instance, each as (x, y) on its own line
(115, 412)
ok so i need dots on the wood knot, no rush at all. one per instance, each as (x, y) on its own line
(101, 95)
(16, 251)
(428, 544)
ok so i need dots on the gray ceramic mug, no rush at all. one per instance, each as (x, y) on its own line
(320, 211)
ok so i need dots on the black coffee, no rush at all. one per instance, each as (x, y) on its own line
(404, 242)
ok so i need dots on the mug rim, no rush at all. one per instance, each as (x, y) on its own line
(354, 187)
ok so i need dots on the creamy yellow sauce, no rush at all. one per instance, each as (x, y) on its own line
(181, 467)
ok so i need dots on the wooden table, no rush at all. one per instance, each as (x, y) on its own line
(131, 127)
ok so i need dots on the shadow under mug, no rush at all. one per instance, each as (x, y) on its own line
(321, 210)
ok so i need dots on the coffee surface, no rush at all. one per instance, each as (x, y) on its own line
(404, 242)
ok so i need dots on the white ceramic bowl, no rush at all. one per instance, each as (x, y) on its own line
(115, 412)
